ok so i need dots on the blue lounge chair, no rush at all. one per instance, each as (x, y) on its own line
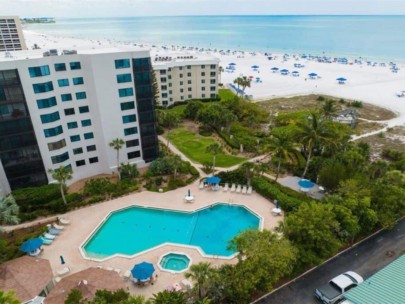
(46, 241)
(48, 236)
(54, 231)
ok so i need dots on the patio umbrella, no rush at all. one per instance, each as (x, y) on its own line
(143, 271)
(213, 180)
(62, 260)
(189, 192)
(304, 183)
(31, 245)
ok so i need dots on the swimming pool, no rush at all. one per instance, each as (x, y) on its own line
(135, 229)
(174, 262)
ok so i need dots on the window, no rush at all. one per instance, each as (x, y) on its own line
(43, 87)
(75, 65)
(202, 73)
(162, 72)
(75, 138)
(70, 111)
(169, 77)
(86, 123)
(213, 66)
(170, 92)
(77, 151)
(212, 81)
(130, 131)
(212, 74)
(80, 163)
(181, 82)
(213, 89)
(189, 67)
(89, 135)
(181, 97)
(164, 102)
(122, 63)
(91, 148)
(170, 84)
(46, 103)
(163, 79)
(60, 67)
(181, 75)
(202, 80)
(203, 66)
(81, 95)
(213, 95)
(126, 92)
(57, 145)
(72, 125)
(78, 80)
(134, 154)
(203, 95)
(84, 109)
(63, 82)
(188, 81)
(128, 118)
(66, 97)
(180, 68)
(127, 105)
(190, 96)
(132, 143)
(189, 89)
(181, 90)
(202, 88)
(47, 118)
(39, 71)
(164, 95)
(53, 131)
(121, 78)
(188, 74)
(60, 158)
(93, 160)
(164, 87)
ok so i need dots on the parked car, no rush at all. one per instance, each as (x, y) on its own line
(332, 292)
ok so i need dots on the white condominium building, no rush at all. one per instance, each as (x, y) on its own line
(11, 35)
(64, 108)
(184, 77)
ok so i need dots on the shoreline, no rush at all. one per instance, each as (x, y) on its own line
(374, 84)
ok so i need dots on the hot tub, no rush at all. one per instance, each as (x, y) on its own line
(174, 262)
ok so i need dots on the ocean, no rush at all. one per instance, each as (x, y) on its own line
(372, 37)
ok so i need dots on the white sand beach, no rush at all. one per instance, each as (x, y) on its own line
(376, 85)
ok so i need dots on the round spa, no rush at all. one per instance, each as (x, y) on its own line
(174, 262)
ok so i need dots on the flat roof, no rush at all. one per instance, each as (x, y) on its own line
(386, 286)
(162, 60)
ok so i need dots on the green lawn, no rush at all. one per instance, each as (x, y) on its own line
(177, 110)
(194, 146)
(226, 94)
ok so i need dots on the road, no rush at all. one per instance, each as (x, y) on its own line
(366, 259)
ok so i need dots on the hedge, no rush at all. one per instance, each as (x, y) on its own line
(289, 199)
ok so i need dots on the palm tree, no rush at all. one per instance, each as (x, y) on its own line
(329, 108)
(175, 162)
(129, 170)
(8, 211)
(165, 297)
(243, 82)
(312, 132)
(117, 144)
(214, 149)
(248, 170)
(62, 174)
(282, 148)
(8, 297)
(201, 273)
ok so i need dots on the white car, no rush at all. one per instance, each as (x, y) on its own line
(332, 292)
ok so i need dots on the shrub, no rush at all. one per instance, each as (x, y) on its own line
(32, 198)
(320, 98)
(288, 198)
(97, 186)
(356, 104)
(232, 177)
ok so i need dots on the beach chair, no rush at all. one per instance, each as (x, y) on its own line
(233, 188)
(238, 189)
(117, 270)
(35, 253)
(63, 221)
(201, 186)
(46, 241)
(244, 190)
(49, 236)
(249, 190)
(127, 275)
(63, 271)
(226, 187)
(56, 226)
(54, 231)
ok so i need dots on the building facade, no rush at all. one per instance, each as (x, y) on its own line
(11, 35)
(64, 110)
(184, 77)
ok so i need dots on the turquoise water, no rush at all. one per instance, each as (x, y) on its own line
(136, 229)
(175, 261)
(377, 37)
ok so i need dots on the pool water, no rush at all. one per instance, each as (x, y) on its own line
(136, 229)
(175, 262)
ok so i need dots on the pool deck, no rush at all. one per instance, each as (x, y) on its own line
(85, 220)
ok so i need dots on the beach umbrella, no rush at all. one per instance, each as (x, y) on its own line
(341, 79)
(312, 74)
(31, 245)
(143, 271)
(257, 78)
(304, 183)
(213, 180)
(274, 69)
(232, 63)
(251, 77)
(255, 66)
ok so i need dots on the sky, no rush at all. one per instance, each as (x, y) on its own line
(120, 8)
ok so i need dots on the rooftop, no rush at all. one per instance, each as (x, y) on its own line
(174, 59)
(27, 276)
(386, 286)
